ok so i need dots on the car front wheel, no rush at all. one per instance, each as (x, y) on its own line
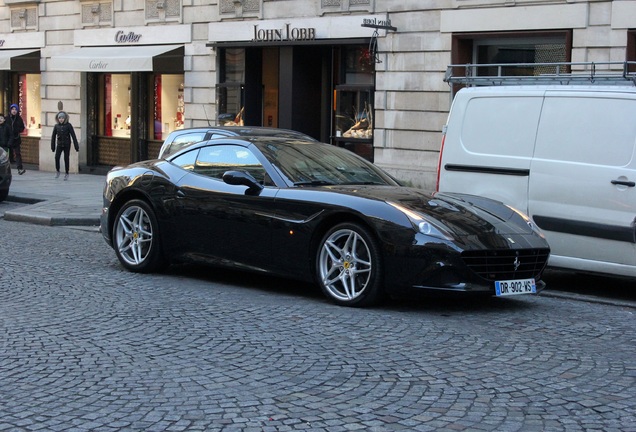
(136, 237)
(349, 266)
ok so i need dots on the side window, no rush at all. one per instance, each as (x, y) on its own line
(213, 161)
(184, 140)
(218, 135)
(186, 160)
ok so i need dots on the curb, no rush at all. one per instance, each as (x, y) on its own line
(567, 295)
(17, 216)
(30, 215)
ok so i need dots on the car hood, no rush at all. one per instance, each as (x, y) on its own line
(459, 213)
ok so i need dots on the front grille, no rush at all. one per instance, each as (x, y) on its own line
(496, 265)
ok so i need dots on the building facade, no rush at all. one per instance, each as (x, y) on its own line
(367, 75)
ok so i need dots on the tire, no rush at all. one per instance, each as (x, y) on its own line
(136, 237)
(4, 194)
(349, 266)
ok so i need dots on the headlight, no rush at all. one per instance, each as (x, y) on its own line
(527, 220)
(423, 224)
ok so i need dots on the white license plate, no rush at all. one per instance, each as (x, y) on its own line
(514, 287)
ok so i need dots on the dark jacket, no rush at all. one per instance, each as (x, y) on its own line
(4, 135)
(64, 133)
(16, 127)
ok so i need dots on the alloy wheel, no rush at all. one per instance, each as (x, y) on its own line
(134, 235)
(345, 265)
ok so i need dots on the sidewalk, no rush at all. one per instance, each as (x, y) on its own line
(51, 201)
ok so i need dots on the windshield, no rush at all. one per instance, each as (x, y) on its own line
(315, 164)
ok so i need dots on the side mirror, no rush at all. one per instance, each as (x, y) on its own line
(238, 178)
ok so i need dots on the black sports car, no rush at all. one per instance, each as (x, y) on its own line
(315, 212)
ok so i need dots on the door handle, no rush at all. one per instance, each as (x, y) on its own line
(624, 183)
(180, 194)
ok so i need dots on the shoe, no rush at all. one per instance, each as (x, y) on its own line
(65, 177)
(21, 171)
(57, 175)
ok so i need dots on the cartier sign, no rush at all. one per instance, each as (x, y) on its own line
(286, 33)
(97, 64)
(131, 37)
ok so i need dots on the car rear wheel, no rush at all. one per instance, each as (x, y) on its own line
(349, 267)
(136, 237)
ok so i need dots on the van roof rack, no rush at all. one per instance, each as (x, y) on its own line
(608, 73)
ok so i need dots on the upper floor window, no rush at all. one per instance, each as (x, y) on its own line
(97, 13)
(240, 8)
(24, 18)
(347, 6)
(163, 10)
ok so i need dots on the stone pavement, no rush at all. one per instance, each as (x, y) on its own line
(77, 201)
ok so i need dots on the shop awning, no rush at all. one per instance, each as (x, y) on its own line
(118, 58)
(9, 56)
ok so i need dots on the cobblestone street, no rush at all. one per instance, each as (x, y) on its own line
(87, 346)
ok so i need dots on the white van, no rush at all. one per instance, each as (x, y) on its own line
(566, 155)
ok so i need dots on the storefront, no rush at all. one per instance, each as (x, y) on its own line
(132, 90)
(316, 76)
(20, 81)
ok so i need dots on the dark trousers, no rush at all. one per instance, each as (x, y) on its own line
(66, 149)
(16, 156)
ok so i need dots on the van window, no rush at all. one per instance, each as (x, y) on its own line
(587, 130)
(501, 125)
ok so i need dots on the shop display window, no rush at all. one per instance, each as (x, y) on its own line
(230, 92)
(354, 112)
(117, 105)
(353, 96)
(359, 66)
(29, 101)
(169, 105)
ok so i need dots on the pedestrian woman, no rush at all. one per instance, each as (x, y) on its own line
(16, 127)
(64, 133)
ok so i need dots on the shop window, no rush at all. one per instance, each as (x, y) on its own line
(24, 19)
(168, 106)
(545, 50)
(630, 52)
(163, 10)
(354, 112)
(94, 14)
(117, 105)
(526, 47)
(230, 92)
(29, 102)
(353, 101)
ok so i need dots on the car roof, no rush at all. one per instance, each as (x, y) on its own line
(241, 131)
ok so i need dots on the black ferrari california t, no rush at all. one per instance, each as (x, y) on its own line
(315, 212)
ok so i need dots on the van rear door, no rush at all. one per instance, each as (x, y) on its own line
(582, 189)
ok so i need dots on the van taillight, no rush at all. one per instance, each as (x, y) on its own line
(439, 162)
